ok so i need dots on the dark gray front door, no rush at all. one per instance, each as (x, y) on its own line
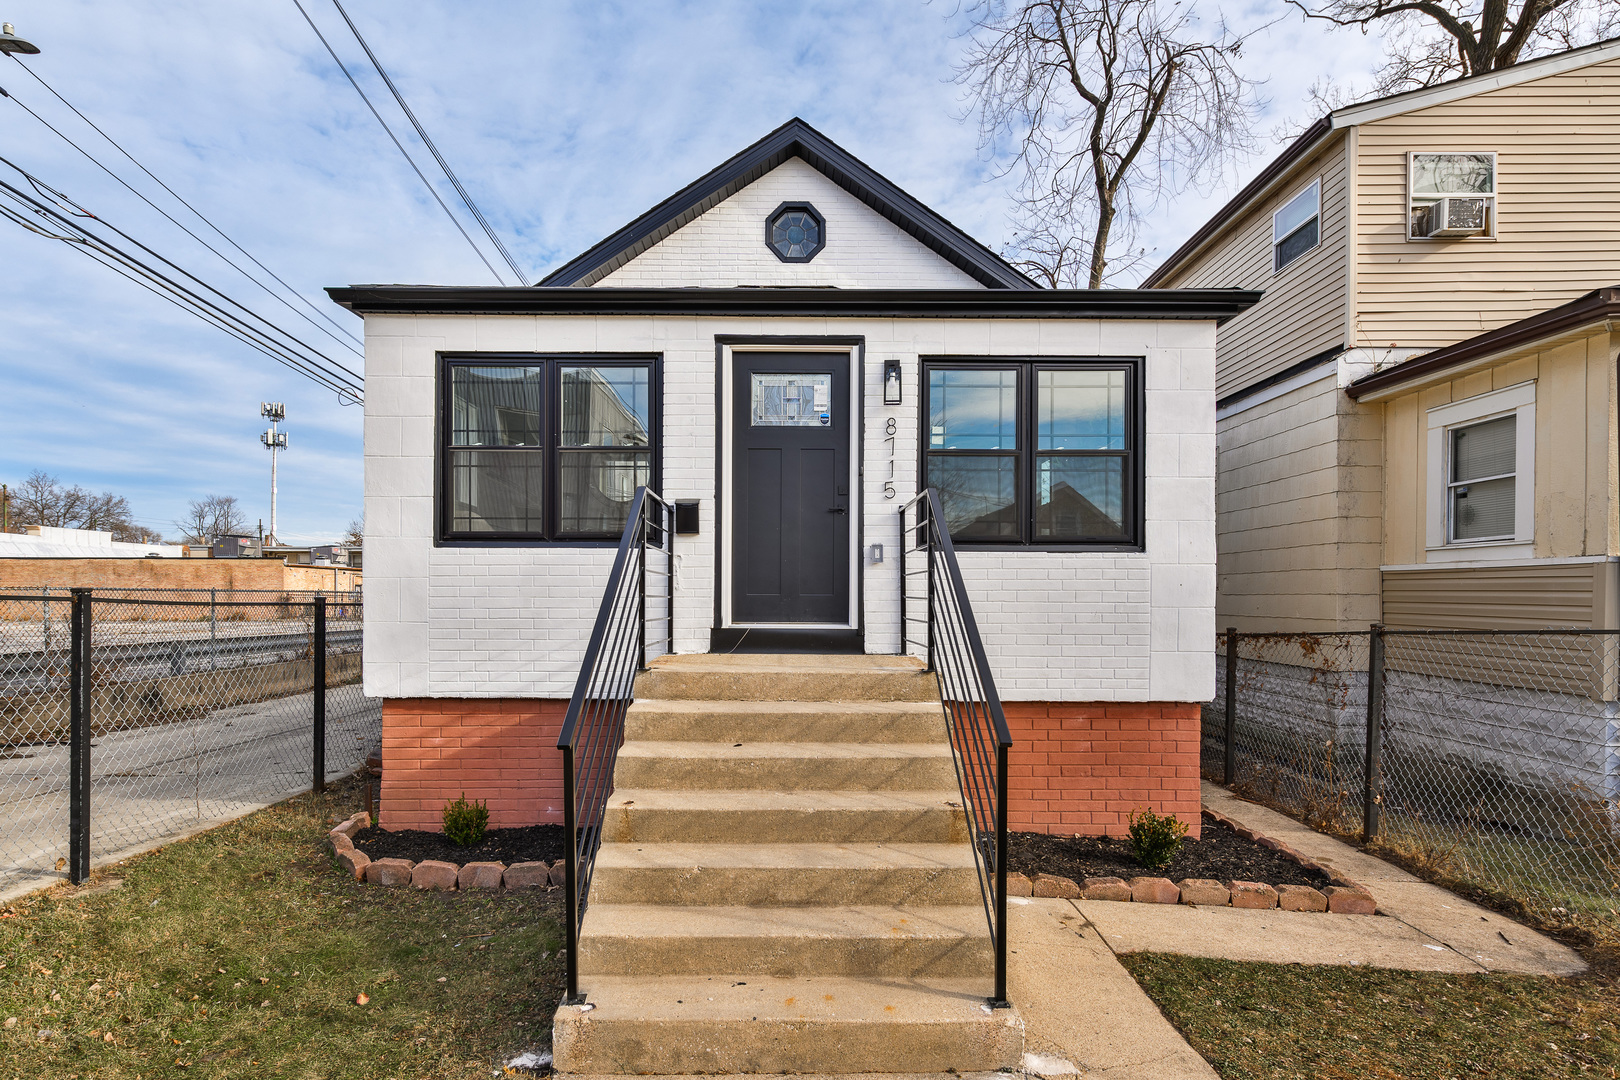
(792, 506)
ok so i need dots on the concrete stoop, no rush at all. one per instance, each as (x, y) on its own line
(786, 884)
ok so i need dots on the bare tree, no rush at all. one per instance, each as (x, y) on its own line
(211, 517)
(42, 499)
(1434, 41)
(355, 534)
(1112, 105)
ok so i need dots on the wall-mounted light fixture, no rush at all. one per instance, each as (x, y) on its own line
(891, 381)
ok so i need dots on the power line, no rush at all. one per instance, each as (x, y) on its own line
(45, 190)
(309, 362)
(399, 146)
(301, 298)
(434, 150)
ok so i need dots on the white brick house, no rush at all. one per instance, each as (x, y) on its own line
(484, 574)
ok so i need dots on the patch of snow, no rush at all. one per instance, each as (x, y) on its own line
(531, 1060)
(1048, 1065)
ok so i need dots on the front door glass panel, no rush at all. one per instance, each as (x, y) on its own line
(790, 400)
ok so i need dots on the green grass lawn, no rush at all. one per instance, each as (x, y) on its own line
(241, 952)
(1358, 1023)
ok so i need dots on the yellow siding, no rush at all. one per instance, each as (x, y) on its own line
(1575, 449)
(1303, 310)
(1557, 141)
(1297, 512)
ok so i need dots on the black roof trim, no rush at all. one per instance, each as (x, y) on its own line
(793, 139)
(1218, 304)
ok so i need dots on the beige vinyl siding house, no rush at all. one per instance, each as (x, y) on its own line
(1303, 310)
(1325, 517)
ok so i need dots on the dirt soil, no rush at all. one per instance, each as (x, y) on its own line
(1221, 854)
(533, 843)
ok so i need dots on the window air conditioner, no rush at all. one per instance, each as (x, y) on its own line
(1454, 216)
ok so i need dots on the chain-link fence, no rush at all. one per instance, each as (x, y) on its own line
(1490, 758)
(127, 716)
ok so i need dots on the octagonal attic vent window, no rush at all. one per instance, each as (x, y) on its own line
(796, 232)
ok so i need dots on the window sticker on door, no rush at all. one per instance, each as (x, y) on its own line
(790, 400)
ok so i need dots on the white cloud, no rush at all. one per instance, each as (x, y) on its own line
(564, 120)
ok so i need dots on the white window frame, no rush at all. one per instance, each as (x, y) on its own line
(1518, 401)
(1490, 213)
(1276, 241)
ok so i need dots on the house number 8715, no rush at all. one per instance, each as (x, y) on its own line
(890, 426)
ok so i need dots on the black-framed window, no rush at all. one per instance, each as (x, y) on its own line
(544, 447)
(1043, 453)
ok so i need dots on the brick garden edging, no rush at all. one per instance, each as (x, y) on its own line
(434, 873)
(1343, 897)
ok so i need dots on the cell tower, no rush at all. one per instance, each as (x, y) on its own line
(274, 441)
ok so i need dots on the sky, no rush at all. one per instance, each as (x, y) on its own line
(563, 120)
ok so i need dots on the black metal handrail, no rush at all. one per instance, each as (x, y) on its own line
(593, 729)
(973, 716)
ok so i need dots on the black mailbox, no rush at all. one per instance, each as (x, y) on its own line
(686, 518)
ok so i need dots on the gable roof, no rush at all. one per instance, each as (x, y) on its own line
(1280, 167)
(793, 139)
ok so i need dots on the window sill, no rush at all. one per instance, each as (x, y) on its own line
(463, 542)
(1483, 551)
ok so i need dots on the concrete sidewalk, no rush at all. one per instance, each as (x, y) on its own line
(1414, 917)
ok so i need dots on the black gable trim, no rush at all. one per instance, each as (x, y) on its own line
(793, 139)
(1217, 304)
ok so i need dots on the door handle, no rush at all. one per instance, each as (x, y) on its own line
(836, 510)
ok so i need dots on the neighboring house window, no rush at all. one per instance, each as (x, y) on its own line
(1296, 228)
(1451, 196)
(1482, 469)
(1041, 453)
(1479, 496)
(544, 448)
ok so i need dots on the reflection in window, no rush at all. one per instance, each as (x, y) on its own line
(1297, 227)
(973, 410)
(1483, 476)
(495, 406)
(507, 477)
(1074, 485)
(979, 495)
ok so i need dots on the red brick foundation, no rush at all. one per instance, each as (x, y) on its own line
(501, 750)
(1074, 767)
(1083, 768)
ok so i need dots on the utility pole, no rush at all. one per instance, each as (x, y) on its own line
(274, 441)
(5, 509)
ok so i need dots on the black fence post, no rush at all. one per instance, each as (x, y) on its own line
(1229, 765)
(320, 693)
(80, 684)
(1373, 773)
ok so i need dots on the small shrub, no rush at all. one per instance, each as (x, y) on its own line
(465, 822)
(1156, 840)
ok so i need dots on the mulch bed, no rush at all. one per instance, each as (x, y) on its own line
(1221, 854)
(533, 843)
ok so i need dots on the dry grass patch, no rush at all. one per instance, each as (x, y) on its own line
(1253, 1021)
(242, 952)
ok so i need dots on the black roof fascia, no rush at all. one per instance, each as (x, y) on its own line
(1217, 304)
(793, 139)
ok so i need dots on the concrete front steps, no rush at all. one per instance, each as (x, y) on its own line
(786, 884)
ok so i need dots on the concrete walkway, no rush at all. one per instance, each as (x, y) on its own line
(1419, 926)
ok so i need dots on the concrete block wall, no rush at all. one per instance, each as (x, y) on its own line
(503, 621)
(1085, 768)
(502, 751)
